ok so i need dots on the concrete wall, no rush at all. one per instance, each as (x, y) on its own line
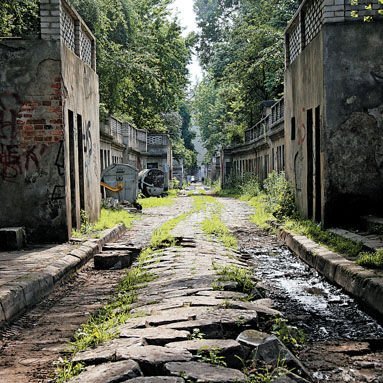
(304, 92)
(353, 138)
(32, 158)
(82, 98)
(49, 127)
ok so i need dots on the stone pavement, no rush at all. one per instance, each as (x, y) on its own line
(187, 330)
(27, 276)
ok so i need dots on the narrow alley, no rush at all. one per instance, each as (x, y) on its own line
(190, 322)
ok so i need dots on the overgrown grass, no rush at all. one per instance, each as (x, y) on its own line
(241, 276)
(162, 237)
(262, 215)
(215, 227)
(150, 202)
(333, 241)
(108, 219)
(371, 260)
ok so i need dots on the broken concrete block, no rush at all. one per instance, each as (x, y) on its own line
(227, 348)
(12, 238)
(204, 372)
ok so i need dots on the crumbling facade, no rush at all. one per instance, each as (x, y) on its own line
(333, 110)
(49, 126)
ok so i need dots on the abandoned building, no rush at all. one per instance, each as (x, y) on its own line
(49, 126)
(332, 143)
(123, 143)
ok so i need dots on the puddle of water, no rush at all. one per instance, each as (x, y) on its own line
(308, 300)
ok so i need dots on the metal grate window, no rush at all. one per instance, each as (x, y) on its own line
(312, 19)
(155, 140)
(86, 48)
(294, 42)
(68, 30)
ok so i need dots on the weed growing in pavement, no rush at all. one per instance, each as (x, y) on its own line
(196, 334)
(65, 369)
(291, 336)
(266, 374)
(212, 356)
(216, 228)
(237, 274)
(162, 237)
(371, 260)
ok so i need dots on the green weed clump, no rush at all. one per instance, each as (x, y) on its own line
(371, 260)
(215, 227)
(241, 276)
(262, 215)
(291, 336)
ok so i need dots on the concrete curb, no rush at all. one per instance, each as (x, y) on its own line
(365, 285)
(30, 289)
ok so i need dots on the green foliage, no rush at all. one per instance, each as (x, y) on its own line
(279, 195)
(65, 370)
(19, 18)
(241, 276)
(262, 215)
(335, 242)
(291, 336)
(266, 374)
(240, 45)
(151, 202)
(142, 58)
(212, 356)
(196, 334)
(371, 260)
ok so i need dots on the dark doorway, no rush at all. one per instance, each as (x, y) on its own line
(80, 149)
(318, 178)
(310, 163)
(72, 169)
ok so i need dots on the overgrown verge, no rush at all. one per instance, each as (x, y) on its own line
(150, 202)
(274, 201)
(108, 219)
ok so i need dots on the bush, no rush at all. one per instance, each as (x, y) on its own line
(279, 195)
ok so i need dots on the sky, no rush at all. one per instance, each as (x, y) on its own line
(184, 10)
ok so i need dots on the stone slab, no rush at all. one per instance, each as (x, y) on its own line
(154, 336)
(204, 372)
(107, 352)
(109, 373)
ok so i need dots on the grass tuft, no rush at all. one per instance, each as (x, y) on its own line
(371, 260)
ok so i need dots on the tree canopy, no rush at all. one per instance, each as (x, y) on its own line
(241, 49)
(142, 60)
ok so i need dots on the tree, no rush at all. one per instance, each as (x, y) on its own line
(19, 18)
(241, 48)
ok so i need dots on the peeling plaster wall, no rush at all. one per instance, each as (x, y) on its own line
(303, 91)
(32, 169)
(354, 119)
